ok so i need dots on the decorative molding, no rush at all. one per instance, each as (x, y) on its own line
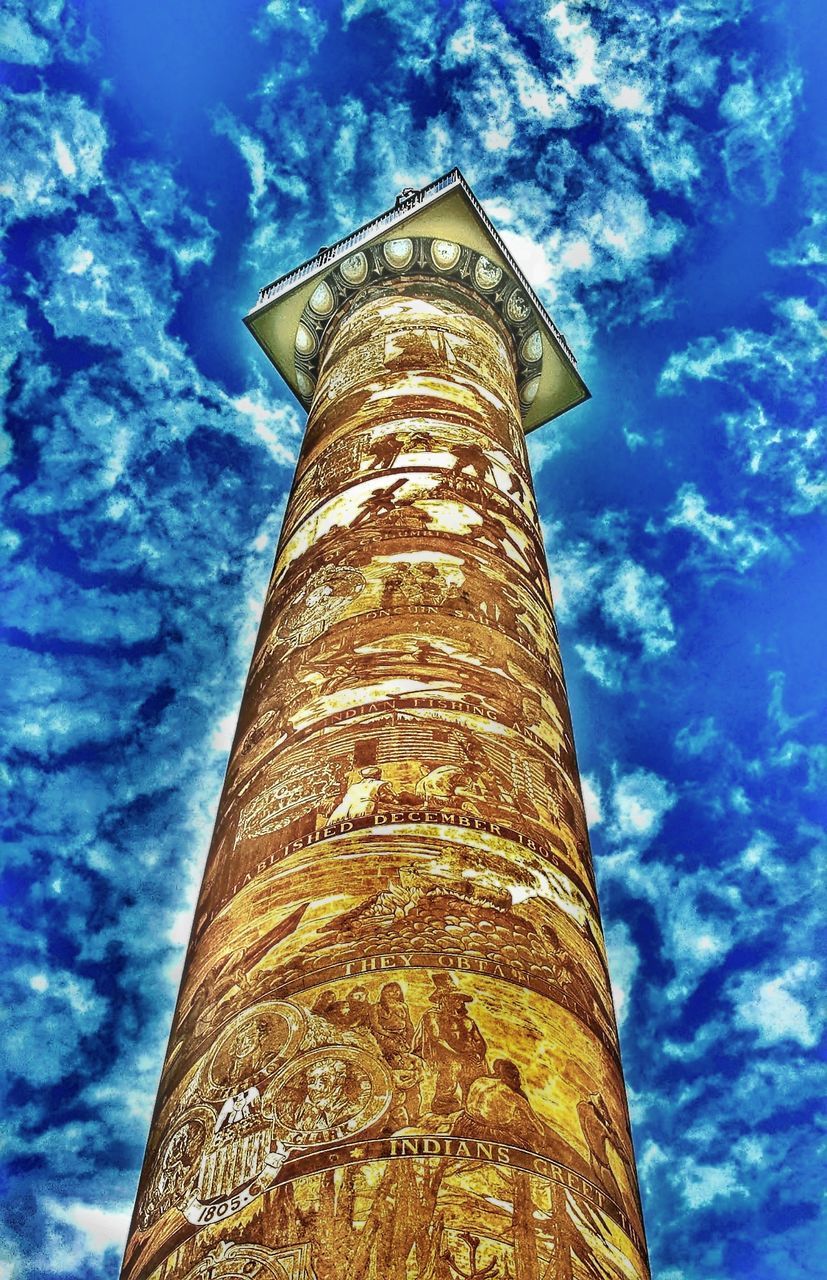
(437, 259)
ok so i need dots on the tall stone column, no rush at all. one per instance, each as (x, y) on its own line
(394, 1055)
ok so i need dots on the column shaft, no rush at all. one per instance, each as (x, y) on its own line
(394, 1054)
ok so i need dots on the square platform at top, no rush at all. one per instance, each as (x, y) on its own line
(446, 209)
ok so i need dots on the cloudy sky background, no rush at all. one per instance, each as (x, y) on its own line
(654, 168)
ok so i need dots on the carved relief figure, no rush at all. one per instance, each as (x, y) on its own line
(448, 1039)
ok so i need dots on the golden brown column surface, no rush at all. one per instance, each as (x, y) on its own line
(394, 1054)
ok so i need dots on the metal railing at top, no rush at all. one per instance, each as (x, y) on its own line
(404, 204)
(342, 247)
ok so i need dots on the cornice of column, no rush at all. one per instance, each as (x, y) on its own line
(423, 259)
(446, 214)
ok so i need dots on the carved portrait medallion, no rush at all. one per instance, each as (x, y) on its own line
(328, 1094)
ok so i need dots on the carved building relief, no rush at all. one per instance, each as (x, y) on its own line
(394, 1051)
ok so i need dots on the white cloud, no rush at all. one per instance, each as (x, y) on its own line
(93, 1230)
(759, 856)
(624, 962)
(776, 711)
(623, 230)
(592, 799)
(277, 425)
(634, 439)
(598, 576)
(640, 801)
(53, 1002)
(698, 920)
(785, 1007)
(581, 47)
(160, 207)
(532, 257)
(299, 22)
(706, 904)
(674, 156)
(34, 33)
(633, 601)
(735, 539)
(807, 249)
(629, 97)
(52, 153)
(605, 666)
(759, 117)
(19, 43)
(777, 433)
(222, 738)
(698, 738)
(704, 1183)
(542, 445)
(575, 570)
(577, 254)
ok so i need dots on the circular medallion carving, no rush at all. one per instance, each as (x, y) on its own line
(229, 1261)
(255, 1046)
(487, 275)
(354, 269)
(445, 254)
(305, 383)
(531, 348)
(528, 390)
(327, 1094)
(177, 1166)
(317, 605)
(517, 308)
(398, 253)
(305, 340)
(322, 300)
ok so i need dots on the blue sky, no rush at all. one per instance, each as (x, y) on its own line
(657, 170)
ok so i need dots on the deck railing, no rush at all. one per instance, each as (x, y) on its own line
(405, 203)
